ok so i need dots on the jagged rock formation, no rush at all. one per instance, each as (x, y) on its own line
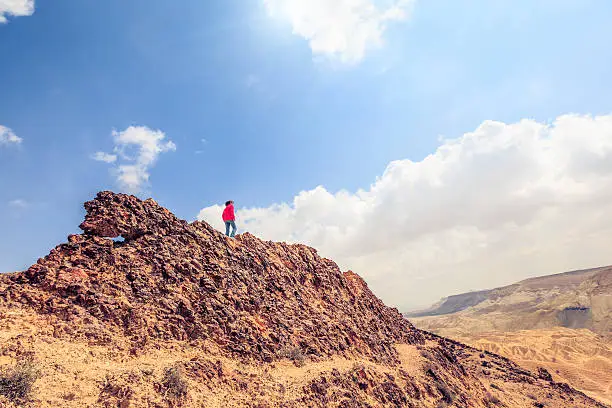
(170, 279)
(229, 314)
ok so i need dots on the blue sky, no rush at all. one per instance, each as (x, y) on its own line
(256, 113)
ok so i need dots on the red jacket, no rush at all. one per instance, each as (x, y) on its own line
(228, 213)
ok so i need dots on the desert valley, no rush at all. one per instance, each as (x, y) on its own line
(562, 322)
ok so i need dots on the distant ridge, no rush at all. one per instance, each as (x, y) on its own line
(452, 304)
(544, 290)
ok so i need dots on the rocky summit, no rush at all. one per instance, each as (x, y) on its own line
(146, 310)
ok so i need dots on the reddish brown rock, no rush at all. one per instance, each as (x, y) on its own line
(174, 280)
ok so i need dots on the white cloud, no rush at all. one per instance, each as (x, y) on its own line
(137, 149)
(15, 8)
(104, 157)
(345, 29)
(7, 137)
(496, 205)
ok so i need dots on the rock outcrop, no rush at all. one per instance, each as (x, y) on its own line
(170, 279)
(143, 290)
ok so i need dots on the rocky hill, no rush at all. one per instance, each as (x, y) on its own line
(578, 299)
(146, 310)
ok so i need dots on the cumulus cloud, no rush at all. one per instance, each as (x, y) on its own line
(15, 8)
(136, 151)
(496, 205)
(7, 137)
(344, 29)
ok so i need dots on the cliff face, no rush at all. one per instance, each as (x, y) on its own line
(249, 323)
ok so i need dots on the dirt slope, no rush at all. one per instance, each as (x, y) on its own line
(178, 315)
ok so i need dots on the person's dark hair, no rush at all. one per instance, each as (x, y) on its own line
(228, 203)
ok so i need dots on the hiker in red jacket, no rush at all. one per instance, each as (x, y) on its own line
(229, 219)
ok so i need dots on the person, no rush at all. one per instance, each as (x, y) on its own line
(229, 219)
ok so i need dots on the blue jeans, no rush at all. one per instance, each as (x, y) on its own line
(229, 224)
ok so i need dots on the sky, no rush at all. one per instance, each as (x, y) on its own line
(432, 146)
